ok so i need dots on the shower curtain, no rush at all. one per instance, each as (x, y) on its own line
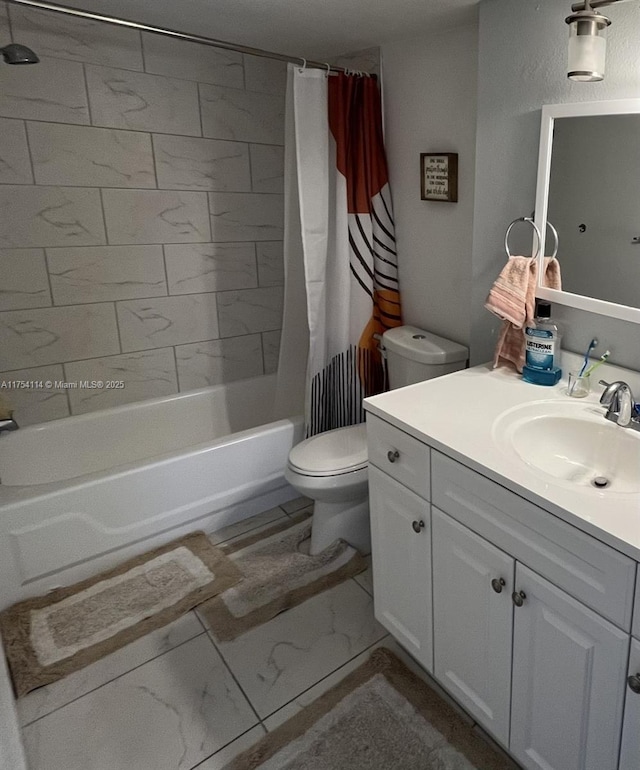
(339, 227)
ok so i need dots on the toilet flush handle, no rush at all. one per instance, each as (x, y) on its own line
(393, 455)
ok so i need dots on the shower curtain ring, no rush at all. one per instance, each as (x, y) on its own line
(328, 66)
(304, 64)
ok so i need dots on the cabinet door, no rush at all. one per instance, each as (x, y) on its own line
(568, 680)
(473, 622)
(401, 552)
(630, 754)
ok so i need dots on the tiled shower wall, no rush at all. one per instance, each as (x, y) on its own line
(141, 214)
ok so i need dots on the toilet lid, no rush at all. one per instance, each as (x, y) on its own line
(330, 453)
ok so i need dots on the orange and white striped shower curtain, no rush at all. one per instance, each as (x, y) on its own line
(337, 163)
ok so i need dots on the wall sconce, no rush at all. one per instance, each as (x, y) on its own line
(587, 42)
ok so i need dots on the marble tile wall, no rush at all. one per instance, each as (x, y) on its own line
(141, 215)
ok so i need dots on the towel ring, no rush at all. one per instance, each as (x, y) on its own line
(535, 228)
(555, 235)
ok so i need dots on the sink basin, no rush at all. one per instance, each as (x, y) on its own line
(573, 444)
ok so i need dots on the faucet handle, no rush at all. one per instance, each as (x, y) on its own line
(618, 399)
(610, 392)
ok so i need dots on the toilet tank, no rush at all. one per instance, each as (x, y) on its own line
(414, 355)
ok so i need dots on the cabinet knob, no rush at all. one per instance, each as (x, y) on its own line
(417, 526)
(393, 455)
(498, 584)
(634, 683)
(518, 598)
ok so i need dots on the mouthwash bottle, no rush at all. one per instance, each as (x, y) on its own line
(542, 354)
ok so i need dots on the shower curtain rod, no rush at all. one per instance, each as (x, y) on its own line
(56, 8)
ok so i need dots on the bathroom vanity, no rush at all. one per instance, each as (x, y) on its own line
(502, 569)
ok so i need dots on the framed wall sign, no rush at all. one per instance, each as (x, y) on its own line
(439, 176)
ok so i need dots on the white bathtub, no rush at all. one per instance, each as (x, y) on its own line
(81, 494)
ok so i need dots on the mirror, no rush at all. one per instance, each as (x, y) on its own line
(589, 190)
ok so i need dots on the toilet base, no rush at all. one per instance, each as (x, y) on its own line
(348, 520)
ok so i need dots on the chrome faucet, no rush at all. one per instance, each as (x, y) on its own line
(8, 424)
(621, 408)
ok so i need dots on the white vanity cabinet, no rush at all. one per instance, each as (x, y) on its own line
(568, 680)
(401, 553)
(531, 617)
(630, 752)
(473, 622)
(401, 536)
(635, 630)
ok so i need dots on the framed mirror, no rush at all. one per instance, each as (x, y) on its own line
(589, 190)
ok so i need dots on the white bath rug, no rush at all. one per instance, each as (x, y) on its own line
(50, 636)
(380, 717)
(278, 573)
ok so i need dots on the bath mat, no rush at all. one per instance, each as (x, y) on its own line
(50, 636)
(380, 717)
(278, 574)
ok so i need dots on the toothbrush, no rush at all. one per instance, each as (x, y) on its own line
(592, 345)
(598, 363)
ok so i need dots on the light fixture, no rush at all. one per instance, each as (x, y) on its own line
(587, 44)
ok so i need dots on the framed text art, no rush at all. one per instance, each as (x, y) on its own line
(439, 176)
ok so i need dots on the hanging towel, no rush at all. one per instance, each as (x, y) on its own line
(509, 294)
(512, 298)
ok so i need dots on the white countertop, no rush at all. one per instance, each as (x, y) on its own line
(455, 414)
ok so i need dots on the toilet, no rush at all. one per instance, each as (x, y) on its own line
(331, 467)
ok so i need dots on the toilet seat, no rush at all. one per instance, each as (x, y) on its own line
(336, 452)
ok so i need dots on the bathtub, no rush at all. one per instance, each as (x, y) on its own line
(81, 494)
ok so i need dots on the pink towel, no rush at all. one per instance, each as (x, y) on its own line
(510, 294)
(513, 298)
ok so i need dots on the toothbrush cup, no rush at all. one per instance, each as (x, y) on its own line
(578, 386)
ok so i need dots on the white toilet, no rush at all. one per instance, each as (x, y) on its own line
(331, 468)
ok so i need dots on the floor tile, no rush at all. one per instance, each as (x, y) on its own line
(169, 714)
(47, 699)
(314, 692)
(365, 579)
(246, 525)
(277, 661)
(220, 759)
(296, 505)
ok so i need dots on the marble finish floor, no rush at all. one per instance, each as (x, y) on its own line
(176, 699)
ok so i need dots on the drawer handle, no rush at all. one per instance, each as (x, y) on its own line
(418, 526)
(634, 683)
(498, 584)
(393, 455)
(518, 598)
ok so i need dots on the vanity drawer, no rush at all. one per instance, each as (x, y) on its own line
(399, 455)
(589, 570)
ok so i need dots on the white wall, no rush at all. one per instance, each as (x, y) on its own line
(429, 87)
(522, 65)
